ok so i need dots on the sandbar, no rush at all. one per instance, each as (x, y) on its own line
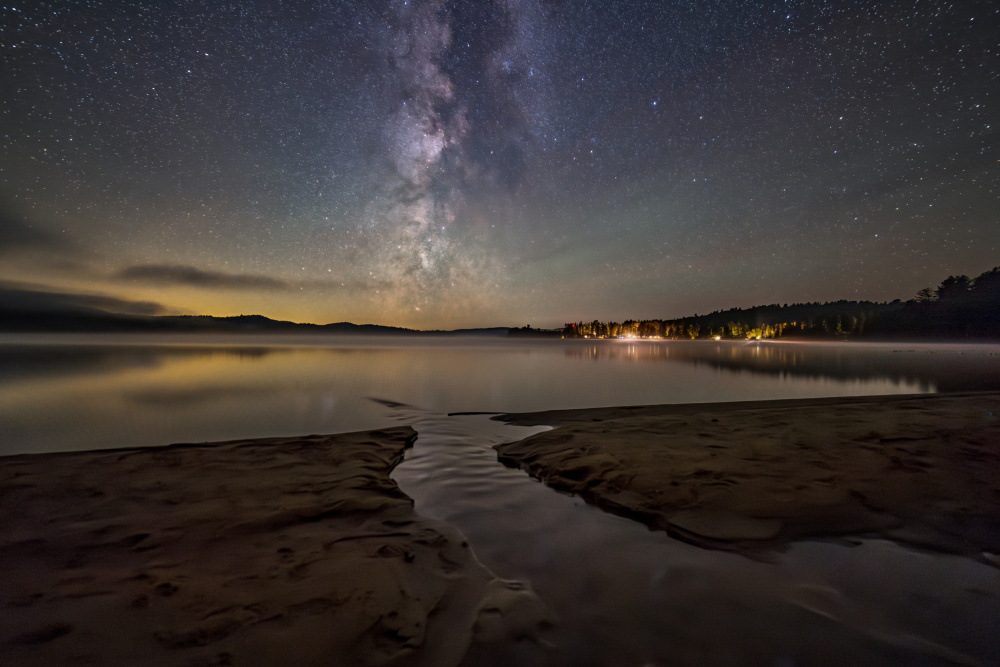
(280, 551)
(753, 477)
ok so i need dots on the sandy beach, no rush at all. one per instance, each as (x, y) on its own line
(753, 477)
(285, 551)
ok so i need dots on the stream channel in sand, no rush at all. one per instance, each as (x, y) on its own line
(627, 596)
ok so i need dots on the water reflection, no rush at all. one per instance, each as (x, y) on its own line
(629, 596)
(107, 393)
(930, 367)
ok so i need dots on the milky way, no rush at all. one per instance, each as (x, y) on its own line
(417, 261)
(434, 163)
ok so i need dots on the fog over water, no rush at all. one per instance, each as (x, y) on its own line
(75, 393)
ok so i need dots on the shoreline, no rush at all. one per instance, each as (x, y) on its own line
(273, 551)
(753, 477)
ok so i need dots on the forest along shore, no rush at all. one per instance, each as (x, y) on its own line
(752, 477)
(283, 551)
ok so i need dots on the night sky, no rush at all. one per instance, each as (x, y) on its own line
(439, 164)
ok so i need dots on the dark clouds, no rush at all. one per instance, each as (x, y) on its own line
(21, 299)
(189, 276)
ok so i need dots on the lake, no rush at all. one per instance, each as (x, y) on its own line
(64, 393)
(623, 594)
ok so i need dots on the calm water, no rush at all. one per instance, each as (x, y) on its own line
(623, 594)
(86, 393)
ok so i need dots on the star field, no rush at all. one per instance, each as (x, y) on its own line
(446, 164)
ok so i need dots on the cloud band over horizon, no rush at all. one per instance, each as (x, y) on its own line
(178, 274)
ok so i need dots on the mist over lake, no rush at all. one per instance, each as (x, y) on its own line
(64, 393)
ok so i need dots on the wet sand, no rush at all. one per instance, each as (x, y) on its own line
(753, 477)
(284, 551)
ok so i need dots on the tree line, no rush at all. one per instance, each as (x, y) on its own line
(959, 307)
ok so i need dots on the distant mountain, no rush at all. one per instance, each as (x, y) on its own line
(103, 322)
(35, 311)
